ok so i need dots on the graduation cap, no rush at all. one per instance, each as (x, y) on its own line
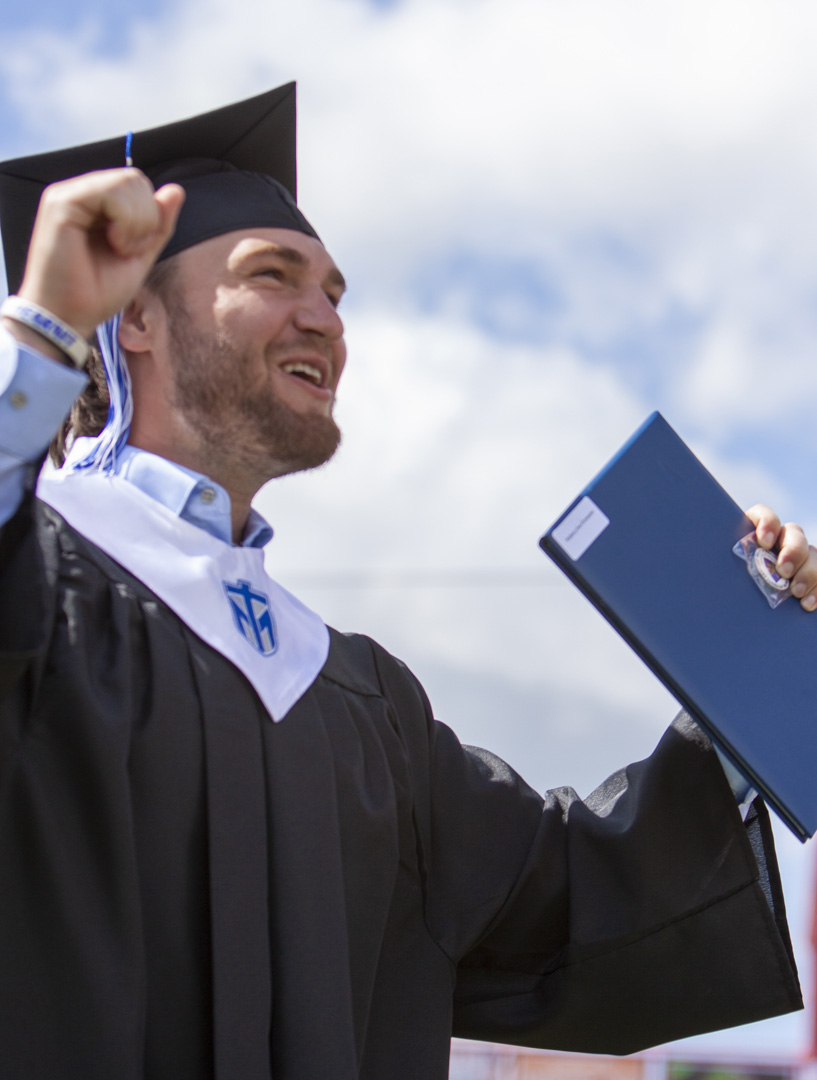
(237, 166)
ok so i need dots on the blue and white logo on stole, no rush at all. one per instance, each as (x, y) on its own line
(252, 615)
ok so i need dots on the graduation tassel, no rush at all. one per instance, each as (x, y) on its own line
(103, 453)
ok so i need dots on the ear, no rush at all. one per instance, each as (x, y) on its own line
(139, 323)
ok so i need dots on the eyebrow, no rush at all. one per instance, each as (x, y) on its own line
(295, 258)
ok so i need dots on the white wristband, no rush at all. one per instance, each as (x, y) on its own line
(57, 332)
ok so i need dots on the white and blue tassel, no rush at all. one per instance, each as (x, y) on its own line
(108, 444)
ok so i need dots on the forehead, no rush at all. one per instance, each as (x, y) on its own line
(238, 252)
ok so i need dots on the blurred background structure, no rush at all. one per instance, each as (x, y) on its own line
(507, 1063)
(555, 216)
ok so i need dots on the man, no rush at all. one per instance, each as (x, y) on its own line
(236, 844)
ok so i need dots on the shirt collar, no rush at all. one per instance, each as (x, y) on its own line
(190, 495)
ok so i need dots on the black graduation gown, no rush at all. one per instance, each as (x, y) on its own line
(190, 891)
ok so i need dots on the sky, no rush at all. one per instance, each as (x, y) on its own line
(555, 216)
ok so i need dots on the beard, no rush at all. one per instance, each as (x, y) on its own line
(240, 419)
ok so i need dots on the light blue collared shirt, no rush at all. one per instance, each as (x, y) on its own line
(190, 495)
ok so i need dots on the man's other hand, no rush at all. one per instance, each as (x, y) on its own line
(796, 560)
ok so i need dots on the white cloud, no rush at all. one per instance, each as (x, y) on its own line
(542, 128)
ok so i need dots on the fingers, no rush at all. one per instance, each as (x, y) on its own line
(119, 203)
(766, 523)
(91, 201)
(94, 241)
(796, 560)
(794, 549)
(139, 221)
(169, 199)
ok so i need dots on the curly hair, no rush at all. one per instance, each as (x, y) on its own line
(89, 413)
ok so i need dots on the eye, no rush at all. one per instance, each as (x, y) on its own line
(274, 272)
(267, 270)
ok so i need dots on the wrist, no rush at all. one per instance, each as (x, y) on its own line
(37, 326)
(34, 341)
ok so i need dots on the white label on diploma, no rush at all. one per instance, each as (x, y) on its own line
(584, 524)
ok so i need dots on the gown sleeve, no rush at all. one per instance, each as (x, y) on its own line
(646, 913)
(28, 572)
(36, 395)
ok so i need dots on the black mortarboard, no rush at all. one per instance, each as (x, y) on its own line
(236, 163)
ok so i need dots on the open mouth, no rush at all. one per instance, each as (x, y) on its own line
(308, 372)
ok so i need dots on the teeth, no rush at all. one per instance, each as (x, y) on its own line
(312, 373)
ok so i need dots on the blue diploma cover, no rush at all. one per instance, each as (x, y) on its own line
(649, 542)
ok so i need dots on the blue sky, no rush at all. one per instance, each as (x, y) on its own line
(554, 218)
(108, 19)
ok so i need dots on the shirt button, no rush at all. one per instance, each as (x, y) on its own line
(18, 399)
(208, 494)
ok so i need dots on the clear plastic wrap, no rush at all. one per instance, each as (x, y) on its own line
(761, 565)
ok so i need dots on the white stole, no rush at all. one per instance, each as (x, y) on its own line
(223, 593)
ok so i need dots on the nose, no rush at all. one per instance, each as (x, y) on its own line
(317, 314)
